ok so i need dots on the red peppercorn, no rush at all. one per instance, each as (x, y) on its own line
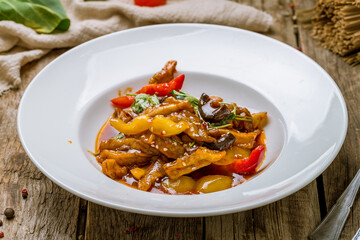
(24, 193)
(291, 5)
(299, 48)
(205, 125)
(1, 234)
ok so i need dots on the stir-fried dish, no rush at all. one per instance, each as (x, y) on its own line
(162, 139)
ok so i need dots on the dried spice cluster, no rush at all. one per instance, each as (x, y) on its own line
(336, 25)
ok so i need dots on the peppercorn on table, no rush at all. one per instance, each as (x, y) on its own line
(42, 210)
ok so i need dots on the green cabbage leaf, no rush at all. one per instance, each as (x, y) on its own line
(44, 16)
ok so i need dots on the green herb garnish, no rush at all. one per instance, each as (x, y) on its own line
(143, 101)
(234, 110)
(185, 96)
(223, 126)
(176, 141)
(119, 136)
(192, 144)
(243, 118)
(97, 153)
(228, 118)
(217, 125)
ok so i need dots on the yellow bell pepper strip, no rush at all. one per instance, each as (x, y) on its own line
(138, 125)
(138, 172)
(259, 120)
(163, 126)
(239, 152)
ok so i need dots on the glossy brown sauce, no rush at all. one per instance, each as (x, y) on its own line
(107, 131)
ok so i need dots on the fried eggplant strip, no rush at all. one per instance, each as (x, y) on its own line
(168, 147)
(166, 74)
(111, 169)
(126, 144)
(153, 173)
(196, 130)
(126, 158)
(165, 109)
(200, 158)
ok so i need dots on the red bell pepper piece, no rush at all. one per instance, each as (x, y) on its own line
(163, 89)
(248, 165)
(149, 3)
(123, 101)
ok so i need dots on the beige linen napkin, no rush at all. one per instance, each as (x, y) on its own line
(20, 45)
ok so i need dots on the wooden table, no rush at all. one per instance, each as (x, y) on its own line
(53, 213)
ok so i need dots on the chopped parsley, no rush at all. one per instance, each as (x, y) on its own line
(143, 101)
(119, 136)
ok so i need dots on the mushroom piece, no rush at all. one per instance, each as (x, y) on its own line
(210, 114)
(223, 143)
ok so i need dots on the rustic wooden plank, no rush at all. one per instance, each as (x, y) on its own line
(293, 217)
(342, 170)
(49, 212)
(106, 223)
(231, 226)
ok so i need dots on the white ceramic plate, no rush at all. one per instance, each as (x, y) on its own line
(69, 101)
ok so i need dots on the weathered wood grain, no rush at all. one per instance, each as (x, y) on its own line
(49, 212)
(342, 170)
(106, 223)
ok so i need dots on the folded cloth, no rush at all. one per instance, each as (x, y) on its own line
(20, 44)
